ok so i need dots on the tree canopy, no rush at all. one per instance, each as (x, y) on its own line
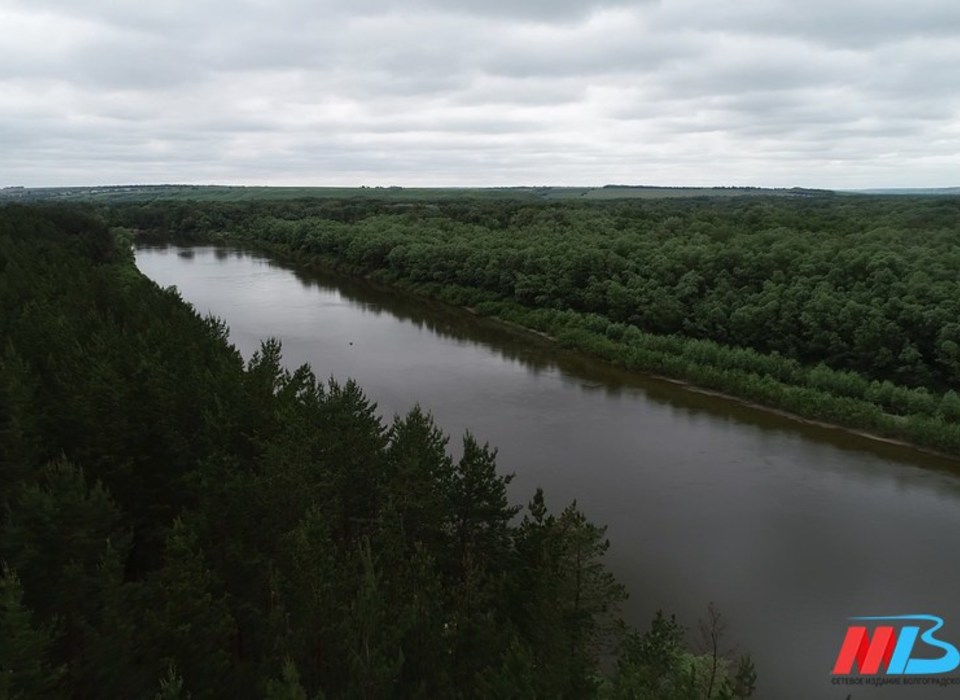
(843, 309)
(179, 523)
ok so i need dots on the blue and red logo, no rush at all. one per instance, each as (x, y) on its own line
(890, 648)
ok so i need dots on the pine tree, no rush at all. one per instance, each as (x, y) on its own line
(313, 580)
(376, 657)
(171, 686)
(482, 513)
(347, 458)
(18, 439)
(567, 598)
(57, 532)
(513, 678)
(419, 480)
(55, 536)
(288, 686)
(112, 665)
(589, 595)
(26, 667)
(187, 621)
(478, 627)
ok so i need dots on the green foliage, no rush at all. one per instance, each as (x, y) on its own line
(375, 653)
(171, 686)
(849, 305)
(288, 686)
(56, 532)
(187, 623)
(64, 538)
(565, 599)
(26, 650)
(657, 666)
(184, 525)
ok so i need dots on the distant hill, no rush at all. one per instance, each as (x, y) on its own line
(129, 193)
(910, 191)
(114, 194)
(655, 192)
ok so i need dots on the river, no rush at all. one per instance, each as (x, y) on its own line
(789, 528)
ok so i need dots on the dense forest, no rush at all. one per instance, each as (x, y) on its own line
(178, 523)
(840, 309)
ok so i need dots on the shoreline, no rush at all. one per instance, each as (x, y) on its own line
(808, 421)
(694, 388)
(292, 259)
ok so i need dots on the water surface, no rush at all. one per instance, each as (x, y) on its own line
(789, 528)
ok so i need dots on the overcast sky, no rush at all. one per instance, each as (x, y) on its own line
(828, 93)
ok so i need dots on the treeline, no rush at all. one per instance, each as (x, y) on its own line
(177, 523)
(838, 309)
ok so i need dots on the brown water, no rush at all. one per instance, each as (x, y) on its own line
(789, 528)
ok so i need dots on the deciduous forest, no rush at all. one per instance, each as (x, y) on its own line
(842, 309)
(179, 523)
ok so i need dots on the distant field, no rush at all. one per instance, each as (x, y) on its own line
(217, 193)
(912, 191)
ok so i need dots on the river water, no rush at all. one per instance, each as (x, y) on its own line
(790, 529)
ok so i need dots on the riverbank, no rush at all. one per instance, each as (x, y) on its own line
(808, 421)
(743, 402)
(682, 361)
(835, 313)
(706, 499)
(693, 387)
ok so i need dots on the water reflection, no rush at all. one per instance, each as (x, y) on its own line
(544, 358)
(789, 527)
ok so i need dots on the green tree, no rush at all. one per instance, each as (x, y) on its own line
(187, 621)
(657, 665)
(419, 479)
(288, 686)
(171, 686)
(567, 598)
(57, 534)
(481, 510)
(373, 638)
(27, 669)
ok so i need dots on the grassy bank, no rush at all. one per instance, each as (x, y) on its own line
(836, 310)
(816, 394)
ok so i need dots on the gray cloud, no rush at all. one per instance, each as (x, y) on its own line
(851, 24)
(448, 92)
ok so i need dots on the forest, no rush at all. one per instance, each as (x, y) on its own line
(177, 523)
(842, 309)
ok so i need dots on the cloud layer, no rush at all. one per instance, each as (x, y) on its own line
(471, 92)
